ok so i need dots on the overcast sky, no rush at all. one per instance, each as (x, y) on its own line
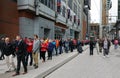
(95, 11)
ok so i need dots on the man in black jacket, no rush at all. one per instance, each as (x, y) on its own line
(8, 51)
(21, 53)
(92, 45)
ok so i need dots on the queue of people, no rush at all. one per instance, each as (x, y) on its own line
(28, 48)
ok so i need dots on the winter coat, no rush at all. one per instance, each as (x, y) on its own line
(51, 46)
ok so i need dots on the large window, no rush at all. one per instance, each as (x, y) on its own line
(49, 3)
(70, 3)
(63, 11)
(79, 1)
(42, 1)
(75, 8)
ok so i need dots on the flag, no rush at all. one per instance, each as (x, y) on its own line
(58, 5)
(74, 18)
(58, 2)
(68, 12)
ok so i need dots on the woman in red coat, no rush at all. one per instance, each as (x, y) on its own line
(43, 50)
(29, 51)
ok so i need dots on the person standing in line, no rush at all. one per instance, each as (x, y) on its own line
(1, 48)
(74, 43)
(36, 48)
(56, 47)
(116, 43)
(43, 49)
(92, 45)
(100, 45)
(60, 46)
(66, 45)
(51, 46)
(79, 46)
(71, 46)
(21, 53)
(8, 50)
(29, 51)
(106, 46)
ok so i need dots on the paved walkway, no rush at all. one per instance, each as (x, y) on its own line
(44, 68)
(96, 66)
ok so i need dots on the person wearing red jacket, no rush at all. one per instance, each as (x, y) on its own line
(29, 51)
(43, 50)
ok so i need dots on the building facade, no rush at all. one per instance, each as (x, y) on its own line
(9, 18)
(118, 9)
(94, 27)
(46, 18)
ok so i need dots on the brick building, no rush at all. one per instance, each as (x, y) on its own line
(9, 22)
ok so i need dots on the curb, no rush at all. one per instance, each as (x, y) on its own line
(49, 71)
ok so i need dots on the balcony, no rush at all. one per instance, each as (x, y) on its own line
(46, 11)
(61, 19)
(26, 5)
(70, 23)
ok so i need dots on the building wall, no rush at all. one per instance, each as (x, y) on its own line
(104, 13)
(44, 27)
(9, 22)
(94, 27)
(26, 27)
(46, 18)
(84, 29)
(118, 9)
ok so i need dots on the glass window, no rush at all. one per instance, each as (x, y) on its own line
(46, 2)
(70, 3)
(75, 8)
(63, 11)
(14, 0)
(42, 1)
(79, 1)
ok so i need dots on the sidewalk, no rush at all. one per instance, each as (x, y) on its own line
(44, 68)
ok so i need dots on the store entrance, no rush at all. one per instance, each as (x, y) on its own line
(46, 33)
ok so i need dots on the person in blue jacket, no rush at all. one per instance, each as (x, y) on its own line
(51, 46)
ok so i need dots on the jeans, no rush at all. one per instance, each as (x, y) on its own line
(19, 60)
(56, 49)
(106, 52)
(60, 50)
(115, 46)
(31, 58)
(43, 55)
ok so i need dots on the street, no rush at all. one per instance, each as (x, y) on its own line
(81, 66)
(96, 66)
